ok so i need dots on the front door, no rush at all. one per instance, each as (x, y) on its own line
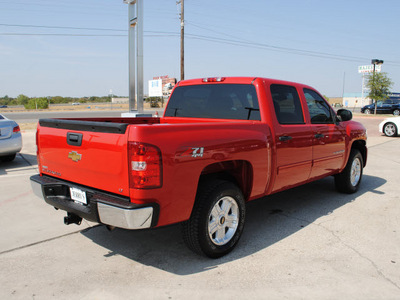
(328, 136)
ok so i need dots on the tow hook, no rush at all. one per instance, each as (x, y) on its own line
(110, 228)
(72, 219)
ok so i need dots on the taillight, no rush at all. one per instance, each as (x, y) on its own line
(145, 166)
(16, 129)
(37, 151)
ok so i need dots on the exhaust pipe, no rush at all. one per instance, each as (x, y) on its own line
(72, 219)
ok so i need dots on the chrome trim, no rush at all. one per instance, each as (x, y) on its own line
(138, 218)
(37, 189)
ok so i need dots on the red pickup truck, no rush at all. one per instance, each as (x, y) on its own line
(221, 143)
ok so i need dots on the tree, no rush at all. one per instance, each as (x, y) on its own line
(22, 99)
(379, 85)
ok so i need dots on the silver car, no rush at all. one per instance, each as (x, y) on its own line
(10, 139)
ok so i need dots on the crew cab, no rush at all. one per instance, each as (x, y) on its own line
(221, 143)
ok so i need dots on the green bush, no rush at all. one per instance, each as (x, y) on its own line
(154, 101)
(37, 103)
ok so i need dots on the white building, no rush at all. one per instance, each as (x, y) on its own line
(355, 100)
(119, 100)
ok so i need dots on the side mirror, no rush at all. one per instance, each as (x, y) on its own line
(344, 115)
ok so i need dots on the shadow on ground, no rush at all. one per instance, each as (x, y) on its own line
(21, 161)
(268, 221)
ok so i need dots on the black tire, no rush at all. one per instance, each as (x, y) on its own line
(348, 181)
(396, 112)
(8, 158)
(390, 129)
(368, 111)
(219, 205)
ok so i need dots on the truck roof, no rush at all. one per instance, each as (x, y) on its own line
(235, 80)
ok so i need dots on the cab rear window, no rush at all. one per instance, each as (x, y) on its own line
(214, 101)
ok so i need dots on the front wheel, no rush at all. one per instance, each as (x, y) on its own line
(368, 111)
(217, 220)
(396, 112)
(348, 181)
(390, 129)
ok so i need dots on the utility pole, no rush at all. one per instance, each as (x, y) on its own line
(182, 40)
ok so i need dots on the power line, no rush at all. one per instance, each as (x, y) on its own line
(236, 42)
(63, 34)
(62, 27)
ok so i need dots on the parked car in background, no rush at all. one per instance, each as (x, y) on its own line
(10, 139)
(390, 126)
(3, 106)
(384, 107)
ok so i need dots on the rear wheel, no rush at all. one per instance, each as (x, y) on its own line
(390, 129)
(217, 220)
(8, 158)
(396, 112)
(348, 181)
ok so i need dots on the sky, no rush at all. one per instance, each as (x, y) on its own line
(80, 47)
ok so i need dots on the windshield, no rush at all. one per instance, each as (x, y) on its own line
(215, 101)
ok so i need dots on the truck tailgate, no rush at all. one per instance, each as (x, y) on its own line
(85, 152)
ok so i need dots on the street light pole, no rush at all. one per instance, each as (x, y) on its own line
(375, 62)
(135, 13)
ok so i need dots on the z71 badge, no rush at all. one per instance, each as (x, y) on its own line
(194, 152)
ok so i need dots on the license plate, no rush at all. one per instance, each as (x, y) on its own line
(78, 195)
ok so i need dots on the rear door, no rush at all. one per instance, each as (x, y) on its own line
(293, 138)
(328, 136)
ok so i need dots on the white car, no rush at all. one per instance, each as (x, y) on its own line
(10, 139)
(390, 126)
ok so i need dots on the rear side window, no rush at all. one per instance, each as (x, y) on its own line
(215, 101)
(287, 104)
(320, 111)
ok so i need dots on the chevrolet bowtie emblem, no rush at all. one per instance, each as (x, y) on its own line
(75, 156)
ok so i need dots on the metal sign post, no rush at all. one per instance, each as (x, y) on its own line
(135, 54)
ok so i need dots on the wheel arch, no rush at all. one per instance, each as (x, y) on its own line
(395, 109)
(239, 172)
(361, 145)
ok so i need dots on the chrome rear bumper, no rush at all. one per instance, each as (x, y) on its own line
(102, 207)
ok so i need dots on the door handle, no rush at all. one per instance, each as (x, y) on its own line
(319, 136)
(74, 139)
(285, 138)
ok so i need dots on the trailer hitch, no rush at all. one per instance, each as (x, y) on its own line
(72, 219)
